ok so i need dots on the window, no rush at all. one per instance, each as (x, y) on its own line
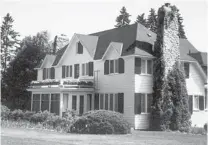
(142, 103)
(186, 69)
(47, 73)
(45, 102)
(96, 103)
(196, 102)
(116, 103)
(111, 102)
(36, 102)
(71, 70)
(89, 101)
(190, 102)
(114, 66)
(79, 48)
(106, 101)
(81, 104)
(55, 103)
(65, 101)
(74, 102)
(101, 101)
(143, 66)
(67, 71)
(76, 71)
(83, 69)
(87, 69)
(121, 102)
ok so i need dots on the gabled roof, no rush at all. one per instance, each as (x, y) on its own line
(201, 57)
(49, 58)
(89, 41)
(59, 55)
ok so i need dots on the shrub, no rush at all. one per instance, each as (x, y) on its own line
(28, 115)
(198, 130)
(101, 122)
(69, 114)
(5, 111)
(16, 115)
(40, 116)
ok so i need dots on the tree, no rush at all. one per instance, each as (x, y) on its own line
(9, 41)
(170, 98)
(181, 27)
(21, 71)
(123, 18)
(152, 21)
(140, 19)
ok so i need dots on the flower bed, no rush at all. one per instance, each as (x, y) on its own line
(45, 82)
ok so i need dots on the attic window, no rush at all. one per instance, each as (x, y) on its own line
(79, 48)
(148, 34)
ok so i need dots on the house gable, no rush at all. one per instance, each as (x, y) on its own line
(113, 51)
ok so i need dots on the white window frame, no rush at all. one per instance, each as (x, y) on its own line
(146, 103)
(114, 66)
(48, 73)
(146, 67)
(194, 103)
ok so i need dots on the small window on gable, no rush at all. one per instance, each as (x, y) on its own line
(79, 48)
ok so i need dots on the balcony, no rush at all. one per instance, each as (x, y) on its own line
(63, 83)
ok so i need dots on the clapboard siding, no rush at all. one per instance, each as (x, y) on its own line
(195, 82)
(40, 74)
(142, 121)
(199, 118)
(143, 83)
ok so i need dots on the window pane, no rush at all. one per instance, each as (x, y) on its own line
(106, 101)
(80, 48)
(89, 102)
(76, 71)
(71, 70)
(55, 103)
(65, 101)
(83, 69)
(87, 69)
(137, 65)
(36, 102)
(121, 102)
(196, 102)
(96, 103)
(116, 66)
(186, 68)
(111, 102)
(81, 104)
(45, 102)
(74, 102)
(101, 101)
(116, 103)
(111, 66)
(143, 63)
(137, 103)
(149, 66)
(143, 104)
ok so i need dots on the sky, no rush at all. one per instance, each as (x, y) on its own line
(89, 16)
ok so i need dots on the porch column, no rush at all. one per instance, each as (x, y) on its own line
(85, 103)
(32, 102)
(61, 104)
(70, 102)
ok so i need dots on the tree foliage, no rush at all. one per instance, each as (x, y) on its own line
(9, 41)
(152, 21)
(140, 19)
(123, 18)
(170, 98)
(21, 71)
(181, 30)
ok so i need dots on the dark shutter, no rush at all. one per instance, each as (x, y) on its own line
(201, 102)
(91, 69)
(190, 104)
(44, 73)
(106, 67)
(106, 101)
(121, 65)
(121, 102)
(52, 73)
(67, 71)
(206, 98)
(137, 65)
(186, 68)
(63, 71)
(137, 103)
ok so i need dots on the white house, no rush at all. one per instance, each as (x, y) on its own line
(112, 70)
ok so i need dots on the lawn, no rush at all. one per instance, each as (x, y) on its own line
(17, 136)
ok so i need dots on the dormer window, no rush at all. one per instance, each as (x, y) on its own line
(79, 48)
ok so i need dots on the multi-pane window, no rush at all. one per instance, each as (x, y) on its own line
(96, 103)
(199, 102)
(70, 71)
(74, 102)
(186, 67)
(143, 66)
(114, 66)
(45, 102)
(114, 102)
(142, 103)
(48, 73)
(36, 102)
(55, 103)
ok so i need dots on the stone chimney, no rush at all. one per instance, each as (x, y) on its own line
(55, 44)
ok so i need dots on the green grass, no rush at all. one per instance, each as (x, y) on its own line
(20, 136)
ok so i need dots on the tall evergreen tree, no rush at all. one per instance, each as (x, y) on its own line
(152, 20)
(140, 19)
(123, 18)
(9, 41)
(21, 71)
(181, 27)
